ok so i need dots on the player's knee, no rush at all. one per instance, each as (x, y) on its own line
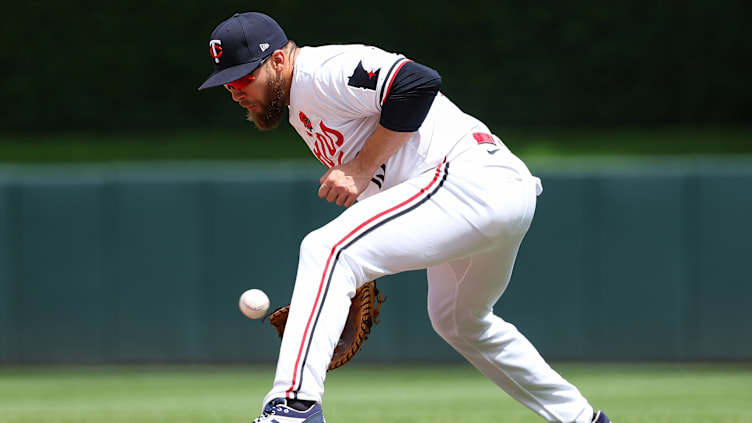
(315, 243)
(444, 323)
(317, 247)
(457, 327)
(439, 319)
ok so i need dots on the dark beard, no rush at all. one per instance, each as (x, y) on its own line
(271, 113)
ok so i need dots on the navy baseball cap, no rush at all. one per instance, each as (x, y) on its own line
(239, 45)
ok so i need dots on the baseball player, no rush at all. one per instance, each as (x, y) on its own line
(425, 186)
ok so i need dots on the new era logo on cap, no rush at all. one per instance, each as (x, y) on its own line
(231, 46)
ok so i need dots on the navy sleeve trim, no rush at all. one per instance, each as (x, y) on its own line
(388, 79)
(408, 97)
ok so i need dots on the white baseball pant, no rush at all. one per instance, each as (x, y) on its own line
(464, 222)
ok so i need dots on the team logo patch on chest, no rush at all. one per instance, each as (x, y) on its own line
(362, 78)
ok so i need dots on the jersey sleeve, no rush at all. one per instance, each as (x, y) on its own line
(410, 93)
(353, 84)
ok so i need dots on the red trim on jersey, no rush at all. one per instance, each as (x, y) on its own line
(394, 75)
(328, 262)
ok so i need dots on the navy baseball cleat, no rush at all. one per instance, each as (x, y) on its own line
(600, 417)
(280, 411)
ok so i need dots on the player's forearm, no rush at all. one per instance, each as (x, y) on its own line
(379, 147)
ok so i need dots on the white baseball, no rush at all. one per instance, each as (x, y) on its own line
(254, 303)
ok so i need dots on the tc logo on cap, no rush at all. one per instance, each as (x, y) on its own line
(215, 49)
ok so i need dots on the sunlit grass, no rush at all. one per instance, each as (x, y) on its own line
(630, 393)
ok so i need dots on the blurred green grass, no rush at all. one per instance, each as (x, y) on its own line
(284, 143)
(630, 393)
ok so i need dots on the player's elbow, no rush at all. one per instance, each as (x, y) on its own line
(433, 83)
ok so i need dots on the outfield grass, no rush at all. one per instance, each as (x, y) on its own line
(631, 393)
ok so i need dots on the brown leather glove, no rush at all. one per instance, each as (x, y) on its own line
(364, 312)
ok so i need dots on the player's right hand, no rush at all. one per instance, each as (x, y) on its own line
(343, 184)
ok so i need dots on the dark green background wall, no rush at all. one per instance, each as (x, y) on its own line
(129, 263)
(125, 65)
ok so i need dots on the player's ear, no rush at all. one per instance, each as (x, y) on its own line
(278, 60)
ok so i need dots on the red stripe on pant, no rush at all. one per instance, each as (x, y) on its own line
(328, 262)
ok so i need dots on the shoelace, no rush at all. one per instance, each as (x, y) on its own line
(269, 410)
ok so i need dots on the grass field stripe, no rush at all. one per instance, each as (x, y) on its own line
(661, 390)
(324, 280)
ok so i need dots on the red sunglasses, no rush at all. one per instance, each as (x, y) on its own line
(241, 83)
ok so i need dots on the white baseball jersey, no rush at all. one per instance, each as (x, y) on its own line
(335, 118)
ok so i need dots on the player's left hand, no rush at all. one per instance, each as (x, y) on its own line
(343, 184)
